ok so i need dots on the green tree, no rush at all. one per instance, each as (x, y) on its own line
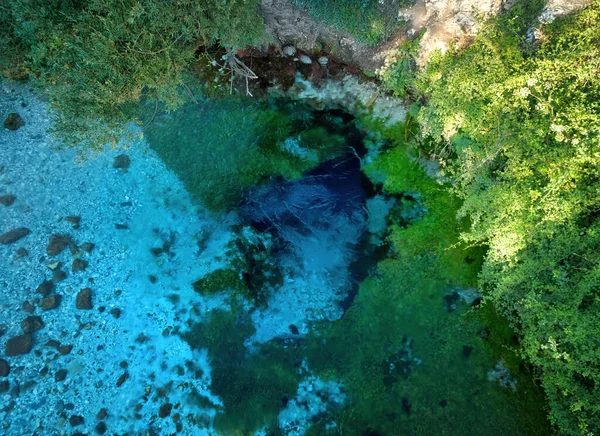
(94, 59)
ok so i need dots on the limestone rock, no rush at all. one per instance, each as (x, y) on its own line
(57, 244)
(7, 199)
(289, 50)
(19, 345)
(32, 324)
(14, 235)
(122, 162)
(4, 368)
(50, 302)
(84, 299)
(14, 121)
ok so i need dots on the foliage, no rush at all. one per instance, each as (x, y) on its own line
(234, 144)
(516, 126)
(369, 21)
(251, 386)
(95, 58)
(399, 316)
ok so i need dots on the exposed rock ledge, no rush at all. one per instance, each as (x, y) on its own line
(442, 21)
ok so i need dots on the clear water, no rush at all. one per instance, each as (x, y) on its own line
(242, 283)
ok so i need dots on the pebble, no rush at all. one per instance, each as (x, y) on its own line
(100, 428)
(79, 265)
(45, 288)
(14, 121)
(20, 253)
(50, 302)
(7, 199)
(116, 312)
(19, 345)
(84, 299)
(323, 61)
(305, 59)
(58, 275)
(57, 244)
(14, 235)
(74, 220)
(28, 307)
(32, 324)
(60, 375)
(122, 162)
(165, 410)
(76, 420)
(122, 379)
(4, 368)
(289, 50)
(87, 247)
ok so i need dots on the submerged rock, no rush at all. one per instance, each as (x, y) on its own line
(14, 121)
(50, 302)
(84, 299)
(7, 199)
(122, 162)
(57, 244)
(19, 345)
(45, 288)
(4, 368)
(14, 235)
(32, 324)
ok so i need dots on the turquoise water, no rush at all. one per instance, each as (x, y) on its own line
(244, 267)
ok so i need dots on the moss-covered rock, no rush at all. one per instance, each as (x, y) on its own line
(220, 280)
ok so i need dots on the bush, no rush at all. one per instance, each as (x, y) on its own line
(517, 128)
(95, 58)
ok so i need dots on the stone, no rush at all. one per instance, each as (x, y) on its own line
(75, 250)
(21, 253)
(84, 299)
(53, 343)
(100, 428)
(60, 375)
(102, 414)
(305, 59)
(19, 345)
(50, 302)
(65, 349)
(165, 410)
(79, 265)
(58, 275)
(27, 307)
(87, 247)
(76, 420)
(14, 121)
(14, 235)
(7, 199)
(57, 244)
(74, 220)
(116, 312)
(4, 386)
(32, 324)
(4, 368)
(122, 162)
(289, 50)
(323, 61)
(122, 379)
(45, 288)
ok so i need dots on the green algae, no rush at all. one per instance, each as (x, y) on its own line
(448, 390)
(220, 280)
(220, 148)
(251, 385)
